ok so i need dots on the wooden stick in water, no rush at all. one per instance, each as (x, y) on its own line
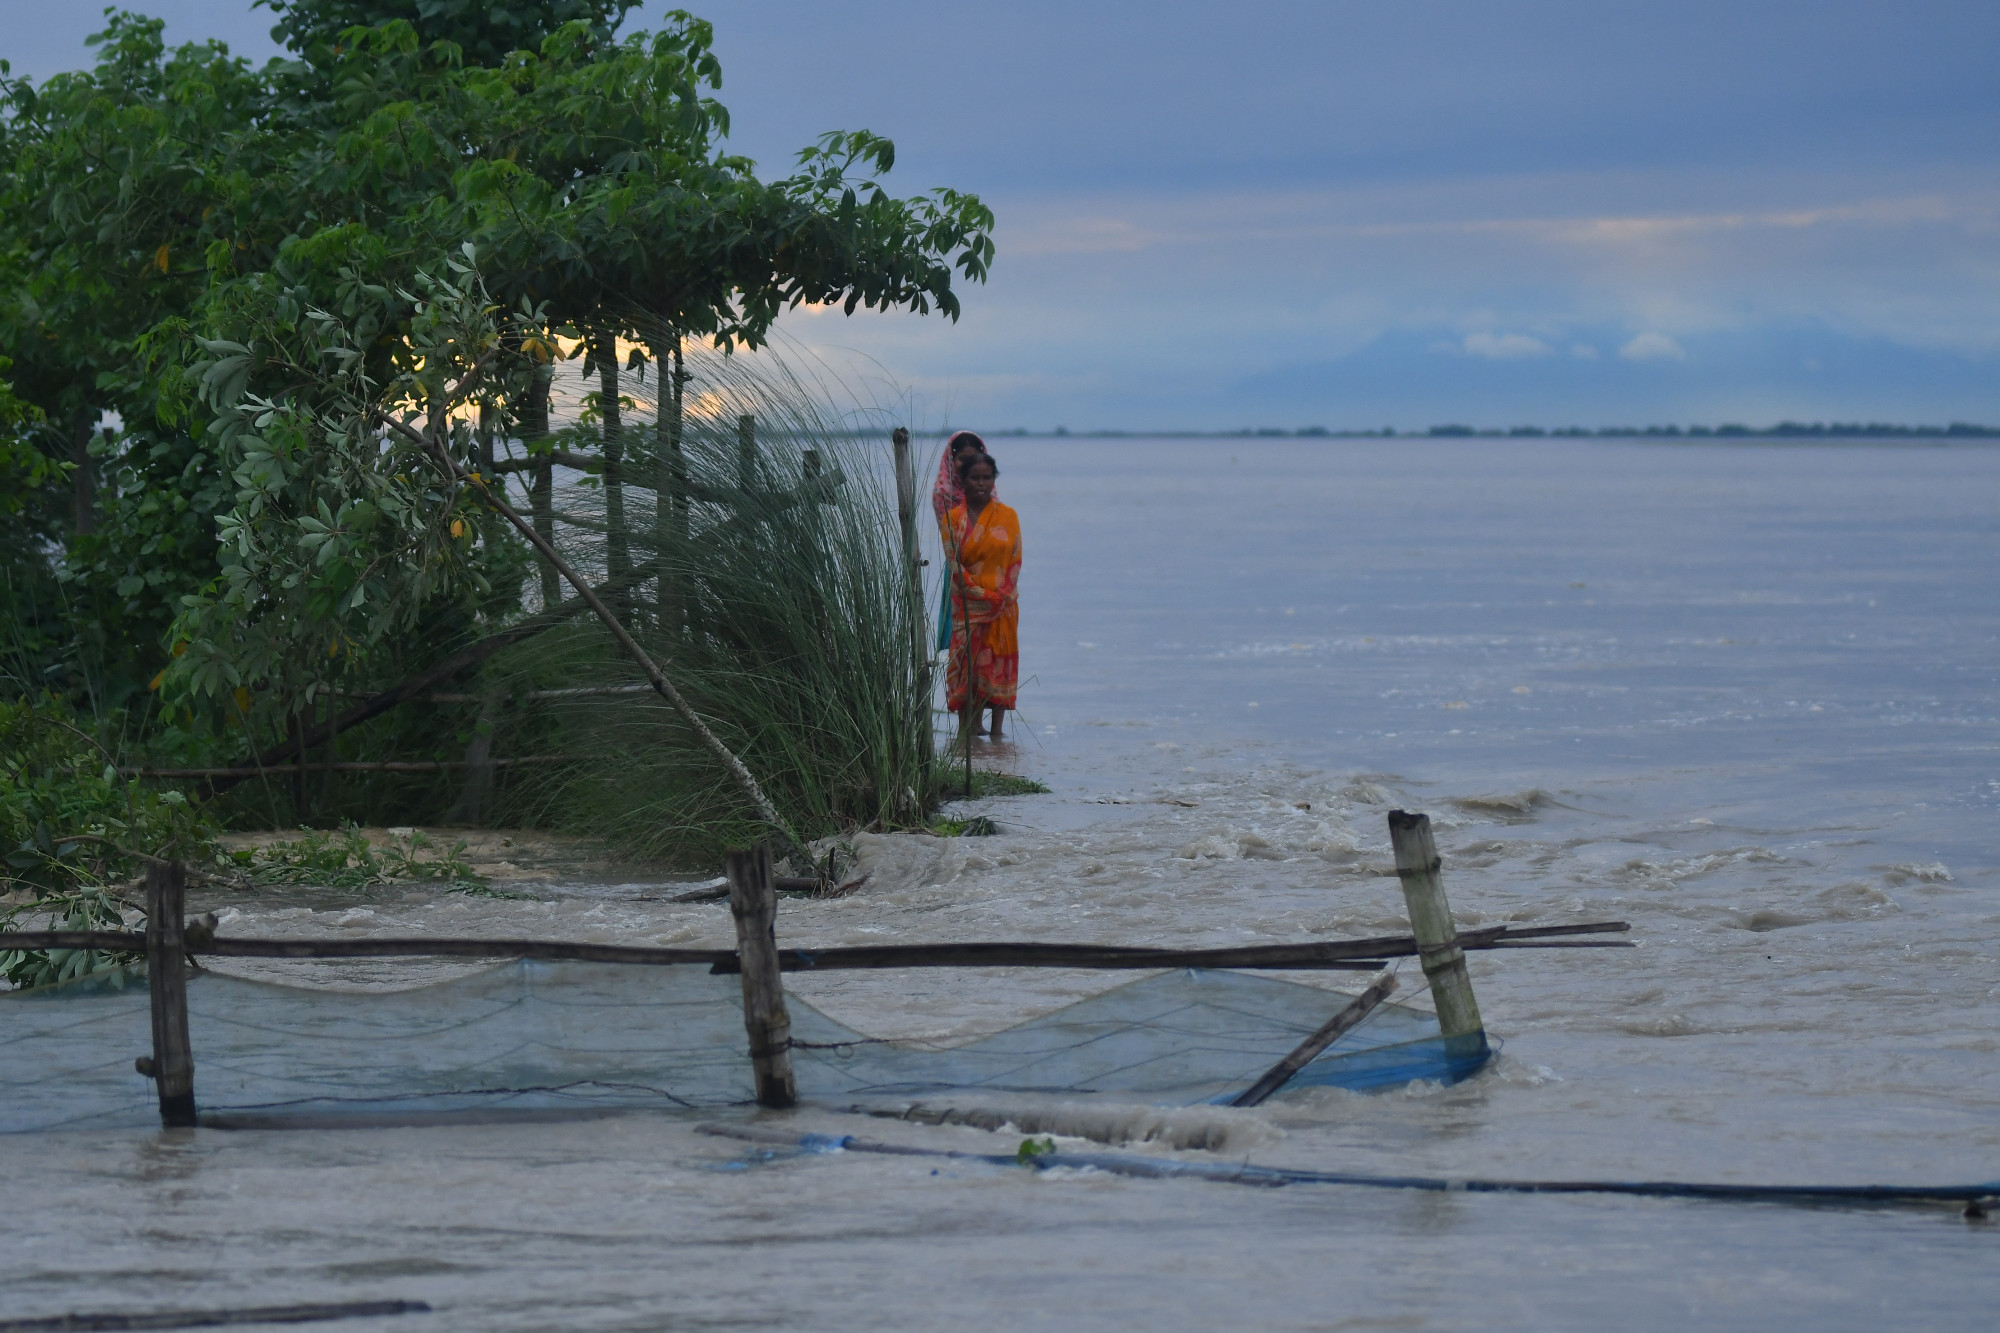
(172, 1065)
(1438, 945)
(1279, 1074)
(753, 901)
(315, 1313)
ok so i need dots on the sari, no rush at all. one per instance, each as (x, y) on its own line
(947, 494)
(983, 556)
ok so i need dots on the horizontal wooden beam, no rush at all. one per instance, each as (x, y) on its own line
(504, 697)
(1324, 955)
(359, 766)
(642, 476)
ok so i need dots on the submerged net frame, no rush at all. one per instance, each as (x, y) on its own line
(531, 1038)
(579, 1027)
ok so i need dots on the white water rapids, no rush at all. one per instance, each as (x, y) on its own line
(1743, 697)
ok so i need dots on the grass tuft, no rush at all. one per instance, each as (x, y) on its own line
(783, 613)
(978, 826)
(1003, 784)
(344, 859)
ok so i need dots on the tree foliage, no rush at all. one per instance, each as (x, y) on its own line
(484, 32)
(342, 529)
(193, 251)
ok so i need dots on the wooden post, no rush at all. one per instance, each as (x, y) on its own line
(488, 415)
(670, 507)
(296, 727)
(617, 554)
(331, 725)
(746, 452)
(166, 974)
(906, 514)
(1437, 936)
(753, 901)
(534, 418)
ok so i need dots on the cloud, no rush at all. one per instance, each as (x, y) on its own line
(1583, 351)
(1504, 346)
(1652, 347)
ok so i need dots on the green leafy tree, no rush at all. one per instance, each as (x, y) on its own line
(483, 32)
(341, 531)
(167, 203)
(112, 186)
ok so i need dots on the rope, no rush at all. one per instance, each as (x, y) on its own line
(1976, 1197)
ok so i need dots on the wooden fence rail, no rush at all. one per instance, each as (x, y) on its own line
(1337, 955)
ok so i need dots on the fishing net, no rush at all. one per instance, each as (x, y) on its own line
(560, 1038)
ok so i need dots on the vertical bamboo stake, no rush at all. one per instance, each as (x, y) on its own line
(542, 488)
(906, 514)
(330, 719)
(1437, 936)
(617, 555)
(753, 901)
(487, 416)
(166, 976)
(296, 729)
(670, 490)
(746, 452)
(969, 714)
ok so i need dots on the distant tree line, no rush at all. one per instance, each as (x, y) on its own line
(1839, 430)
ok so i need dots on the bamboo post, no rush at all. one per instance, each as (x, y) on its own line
(172, 1065)
(670, 504)
(541, 498)
(753, 901)
(295, 728)
(617, 554)
(542, 478)
(906, 515)
(746, 452)
(1436, 935)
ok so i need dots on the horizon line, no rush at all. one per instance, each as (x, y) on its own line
(1784, 430)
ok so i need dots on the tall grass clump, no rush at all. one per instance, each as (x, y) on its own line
(781, 609)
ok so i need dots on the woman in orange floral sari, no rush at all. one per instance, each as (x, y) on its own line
(983, 552)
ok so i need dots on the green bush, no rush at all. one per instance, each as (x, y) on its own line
(68, 819)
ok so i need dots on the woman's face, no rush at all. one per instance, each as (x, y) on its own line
(961, 454)
(979, 481)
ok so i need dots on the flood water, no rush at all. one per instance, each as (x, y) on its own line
(1747, 698)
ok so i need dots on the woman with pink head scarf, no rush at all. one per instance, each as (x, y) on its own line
(947, 495)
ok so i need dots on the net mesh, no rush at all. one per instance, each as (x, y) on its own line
(527, 1037)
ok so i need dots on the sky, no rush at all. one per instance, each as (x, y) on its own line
(1400, 213)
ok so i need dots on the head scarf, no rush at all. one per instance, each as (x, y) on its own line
(948, 494)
